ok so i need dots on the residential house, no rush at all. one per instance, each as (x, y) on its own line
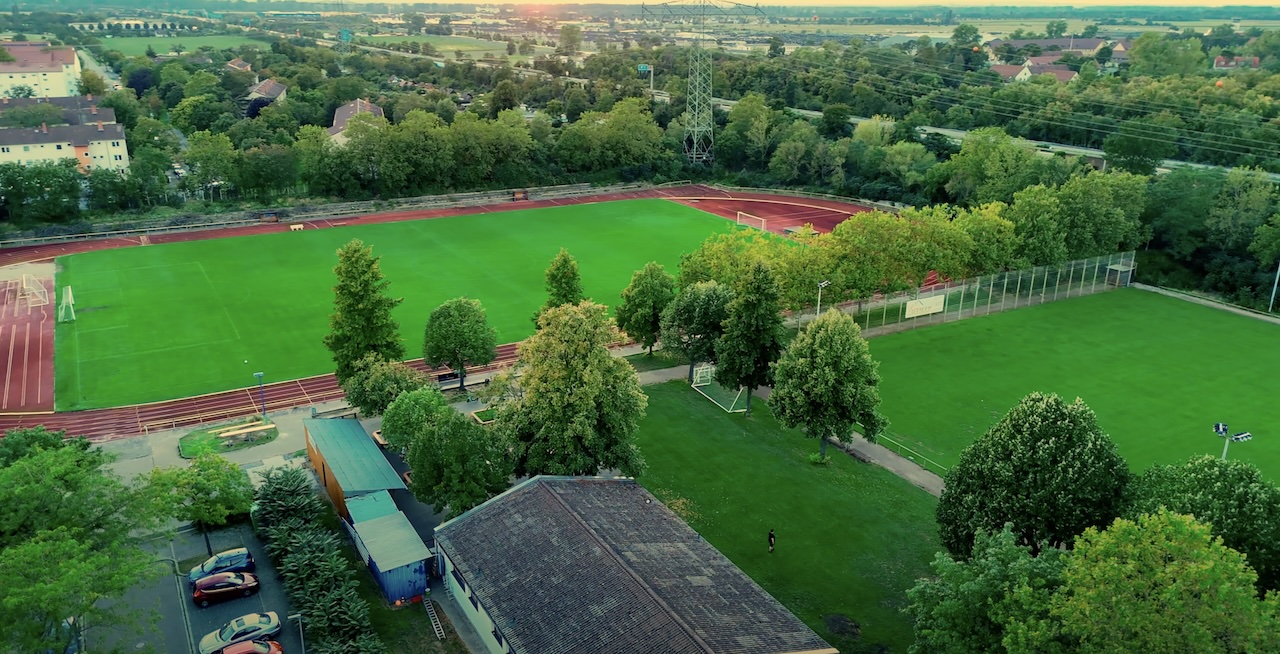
(586, 564)
(269, 89)
(93, 146)
(48, 71)
(1235, 63)
(343, 115)
(76, 110)
(240, 65)
(1027, 71)
(1079, 46)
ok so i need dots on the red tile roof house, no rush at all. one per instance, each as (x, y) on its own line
(559, 565)
(343, 115)
(1027, 71)
(268, 88)
(1224, 63)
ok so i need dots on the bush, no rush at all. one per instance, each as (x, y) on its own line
(319, 580)
(818, 459)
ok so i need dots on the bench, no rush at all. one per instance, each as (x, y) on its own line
(377, 438)
(790, 231)
(296, 227)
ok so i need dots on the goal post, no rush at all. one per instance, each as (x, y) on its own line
(704, 382)
(67, 307)
(33, 291)
(749, 220)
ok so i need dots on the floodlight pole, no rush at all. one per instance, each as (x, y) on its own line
(262, 395)
(821, 285)
(1226, 443)
(301, 638)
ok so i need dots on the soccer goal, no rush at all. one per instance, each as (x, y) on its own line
(33, 291)
(704, 381)
(749, 220)
(67, 308)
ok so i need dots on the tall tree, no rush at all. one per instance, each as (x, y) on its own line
(1231, 497)
(564, 282)
(976, 606)
(578, 407)
(361, 322)
(1140, 145)
(694, 321)
(1160, 584)
(752, 338)
(457, 464)
(643, 301)
(827, 382)
(375, 383)
(206, 494)
(410, 415)
(458, 335)
(1046, 468)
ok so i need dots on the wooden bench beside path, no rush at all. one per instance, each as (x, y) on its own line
(245, 431)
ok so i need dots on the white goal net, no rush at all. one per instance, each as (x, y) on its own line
(704, 381)
(67, 308)
(749, 220)
(33, 291)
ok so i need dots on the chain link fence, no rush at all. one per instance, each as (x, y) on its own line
(960, 299)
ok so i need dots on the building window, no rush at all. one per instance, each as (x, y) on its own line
(4, 149)
(118, 157)
(59, 146)
(26, 148)
(475, 602)
(115, 144)
(462, 583)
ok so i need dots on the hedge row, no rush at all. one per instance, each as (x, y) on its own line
(319, 579)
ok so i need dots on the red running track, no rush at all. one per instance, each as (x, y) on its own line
(106, 424)
(26, 349)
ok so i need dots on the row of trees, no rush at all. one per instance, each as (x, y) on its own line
(1053, 545)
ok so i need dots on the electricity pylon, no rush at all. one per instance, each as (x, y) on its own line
(699, 137)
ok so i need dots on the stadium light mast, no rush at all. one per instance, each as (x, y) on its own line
(821, 285)
(1220, 428)
(699, 124)
(262, 395)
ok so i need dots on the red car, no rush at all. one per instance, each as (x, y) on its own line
(255, 647)
(223, 586)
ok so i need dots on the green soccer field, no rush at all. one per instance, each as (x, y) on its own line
(1158, 371)
(852, 537)
(137, 46)
(176, 320)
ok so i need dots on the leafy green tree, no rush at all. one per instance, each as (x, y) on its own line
(506, 95)
(577, 407)
(1155, 54)
(33, 115)
(752, 338)
(375, 383)
(1266, 242)
(72, 536)
(564, 282)
(361, 322)
(410, 415)
(1101, 212)
(91, 83)
(212, 159)
(827, 383)
(1045, 468)
(1055, 29)
(694, 321)
(643, 301)
(995, 238)
(458, 464)
(971, 606)
(835, 120)
(1037, 220)
(1246, 201)
(775, 47)
(153, 133)
(286, 492)
(458, 335)
(1177, 205)
(25, 441)
(1231, 497)
(1160, 584)
(207, 493)
(576, 103)
(570, 39)
(1140, 144)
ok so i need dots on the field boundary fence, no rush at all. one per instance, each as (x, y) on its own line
(954, 300)
(889, 443)
(187, 223)
(890, 207)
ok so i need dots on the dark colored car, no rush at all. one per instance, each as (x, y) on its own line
(236, 560)
(223, 586)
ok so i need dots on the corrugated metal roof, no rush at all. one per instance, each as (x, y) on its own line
(357, 463)
(392, 542)
(371, 506)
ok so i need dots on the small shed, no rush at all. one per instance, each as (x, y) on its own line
(396, 555)
(371, 506)
(348, 462)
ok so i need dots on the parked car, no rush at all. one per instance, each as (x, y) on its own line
(236, 560)
(223, 586)
(255, 647)
(255, 626)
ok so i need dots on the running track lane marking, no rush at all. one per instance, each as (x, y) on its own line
(304, 390)
(44, 317)
(13, 334)
(26, 356)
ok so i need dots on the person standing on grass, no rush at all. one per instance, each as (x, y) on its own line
(772, 539)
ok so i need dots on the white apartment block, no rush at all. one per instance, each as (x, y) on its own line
(50, 72)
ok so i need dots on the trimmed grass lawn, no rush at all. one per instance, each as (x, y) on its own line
(164, 321)
(852, 537)
(661, 360)
(137, 46)
(1158, 371)
(205, 440)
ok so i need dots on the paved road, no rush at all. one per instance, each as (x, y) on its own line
(86, 58)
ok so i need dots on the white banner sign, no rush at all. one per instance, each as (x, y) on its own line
(926, 306)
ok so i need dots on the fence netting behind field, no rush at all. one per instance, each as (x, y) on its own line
(959, 299)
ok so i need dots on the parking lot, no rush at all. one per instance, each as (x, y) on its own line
(168, 621)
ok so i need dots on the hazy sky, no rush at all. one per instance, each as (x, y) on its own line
(951, 3)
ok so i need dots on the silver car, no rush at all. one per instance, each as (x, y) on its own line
(254, 626)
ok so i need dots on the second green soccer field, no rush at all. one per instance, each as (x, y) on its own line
(168, 321)
(1158, 371)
